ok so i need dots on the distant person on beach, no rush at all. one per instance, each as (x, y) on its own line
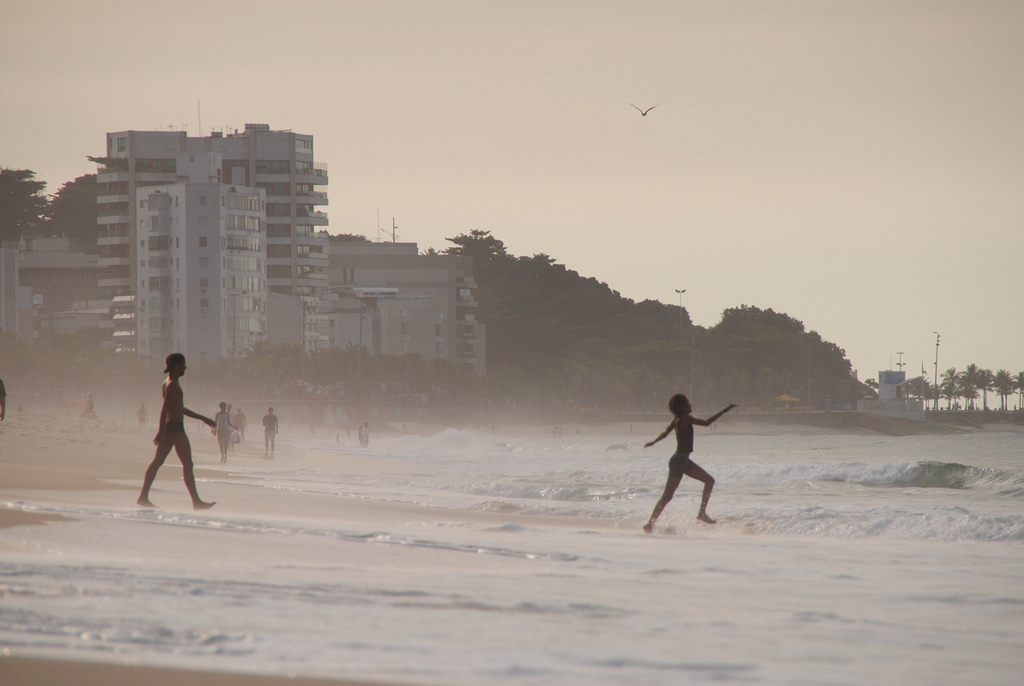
(269, 432)
(171, 433)
(240, 423)
(3, 400)
(222, 428)
(142, 415)
(90, 408)
(680, 463)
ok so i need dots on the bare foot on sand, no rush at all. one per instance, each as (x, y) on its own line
(648, 527)
(703, 517)
(144, 502)
(200, 505)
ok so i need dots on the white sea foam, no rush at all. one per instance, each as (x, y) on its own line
(835, 560)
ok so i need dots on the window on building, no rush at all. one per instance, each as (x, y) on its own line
(204, 262)
(279, 231)
(202, 241)
(272, 167)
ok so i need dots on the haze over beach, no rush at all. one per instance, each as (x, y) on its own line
(510, 556)
(853, 164)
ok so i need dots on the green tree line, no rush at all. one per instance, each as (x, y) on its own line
(555, 338)
(25, 210)
(956, 386)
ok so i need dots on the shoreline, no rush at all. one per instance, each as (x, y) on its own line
(16, 670)
(67, 504)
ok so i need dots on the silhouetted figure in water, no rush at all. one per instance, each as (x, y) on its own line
(680, 463)
(143, 415)
(171, 434)
(3, 401)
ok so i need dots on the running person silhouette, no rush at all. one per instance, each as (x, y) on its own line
(171, 434)
(680, 463)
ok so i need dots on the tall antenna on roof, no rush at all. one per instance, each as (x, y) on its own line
(394, 229)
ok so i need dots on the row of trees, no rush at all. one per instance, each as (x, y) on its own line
(965, 385)
(26, 210)
(555, 337)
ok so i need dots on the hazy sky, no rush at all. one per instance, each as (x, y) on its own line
(858, 165)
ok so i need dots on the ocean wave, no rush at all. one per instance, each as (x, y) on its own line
(567, 492)
(947, 524)
(919, 474)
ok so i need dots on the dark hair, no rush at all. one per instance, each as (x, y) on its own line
(675, 403)
(173, 359)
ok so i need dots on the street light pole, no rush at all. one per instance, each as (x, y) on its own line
(937, 337)
(680, 292)
(693, 343)
(234, 319)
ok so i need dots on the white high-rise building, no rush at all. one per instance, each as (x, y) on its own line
(394, 301)
(201, 276)
(281, 163)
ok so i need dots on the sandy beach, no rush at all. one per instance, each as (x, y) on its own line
(51, 457)
(330, 564)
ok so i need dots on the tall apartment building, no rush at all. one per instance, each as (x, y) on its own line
(202, 286)
(281, 163)
(393, 300)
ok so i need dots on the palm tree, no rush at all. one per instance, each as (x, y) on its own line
(1003, 384)
(1018, 381)
(949, 386)
(986, 381)
(970, 383)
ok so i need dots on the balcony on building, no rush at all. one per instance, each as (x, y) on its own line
(114, 261)
(112, 199)
(311, 218)
(311, 197)
(317, 174)
(114, 281)
(114, 235)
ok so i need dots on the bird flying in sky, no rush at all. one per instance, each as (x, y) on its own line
(643, 113)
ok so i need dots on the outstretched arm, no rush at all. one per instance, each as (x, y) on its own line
(666, 432)
(195, 415)
(713, 418)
